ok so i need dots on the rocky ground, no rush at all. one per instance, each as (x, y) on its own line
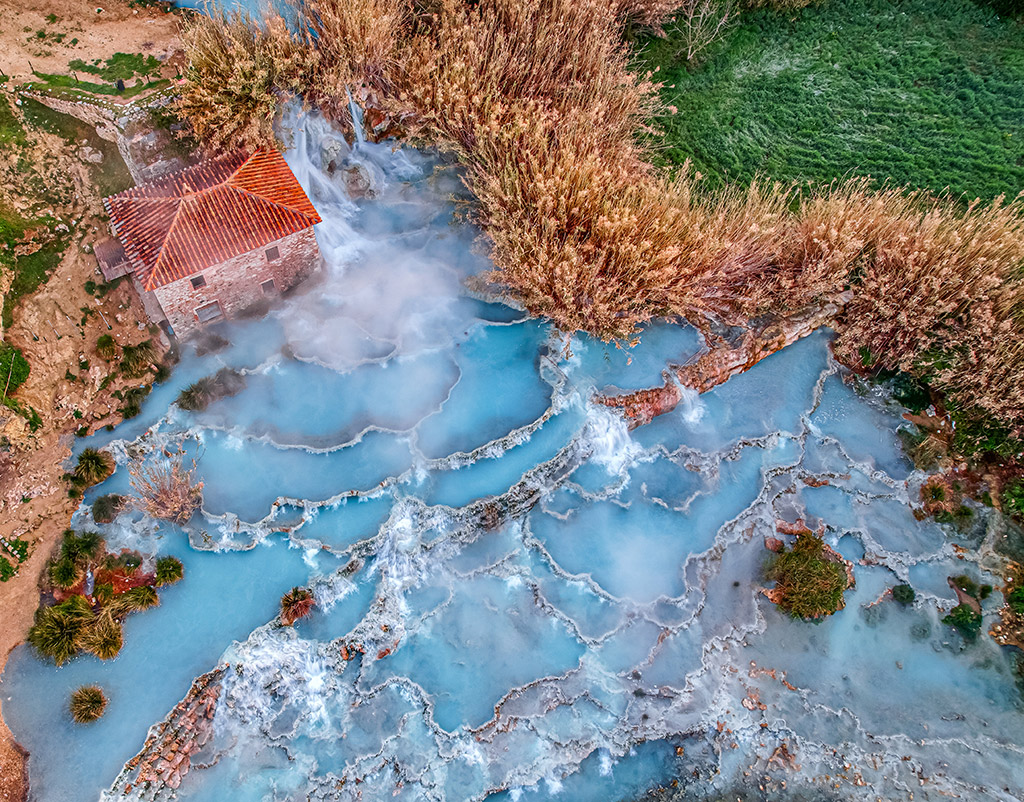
(82, 29)
(52, 327)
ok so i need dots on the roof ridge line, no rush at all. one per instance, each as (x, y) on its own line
(265, 199)
(170, 230)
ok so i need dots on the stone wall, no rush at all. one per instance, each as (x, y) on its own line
(104, 117)
(236, 283)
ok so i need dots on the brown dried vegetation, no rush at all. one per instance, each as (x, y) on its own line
(538, 100)
(166, 489)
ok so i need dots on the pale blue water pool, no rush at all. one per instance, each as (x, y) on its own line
(563, 602)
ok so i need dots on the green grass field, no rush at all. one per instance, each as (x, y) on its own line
(928, 93)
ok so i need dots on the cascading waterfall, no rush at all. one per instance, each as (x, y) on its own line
(357, 118)
(516, 596)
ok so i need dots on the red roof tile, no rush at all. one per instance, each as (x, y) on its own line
(203, 215)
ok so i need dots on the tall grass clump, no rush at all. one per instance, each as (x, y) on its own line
(807, 583)
(541, 102)
(58, 630)
(87, 704)
(168, 571)
(356, 49)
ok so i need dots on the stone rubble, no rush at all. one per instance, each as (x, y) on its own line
(167, 754)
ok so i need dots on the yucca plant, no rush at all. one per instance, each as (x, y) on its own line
(87, 704)
(137, 359)
(134, 600)
(104, 638)
(64, 573)
(168, 571)
(93, 467)
(295, 604)
(82, 547)
(58, 631)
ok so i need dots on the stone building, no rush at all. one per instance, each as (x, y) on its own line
(210, 241)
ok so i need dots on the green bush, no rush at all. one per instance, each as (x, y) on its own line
(6, 569)
(20, 548)
(965, 621)
(106, 508)
(106, 348)
(904, 594)
(168, 571)
(14, 368)
(810, 586)
(967, 585)
(1015, 598)
(87, 704)
(58, 631)
(1013, 499)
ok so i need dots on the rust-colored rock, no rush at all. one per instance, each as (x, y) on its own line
(725, 357)
(165, 758)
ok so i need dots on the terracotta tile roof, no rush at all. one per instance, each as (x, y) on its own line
(203, 215)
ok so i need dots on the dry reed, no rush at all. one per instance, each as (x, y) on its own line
(167, 489)
(540, 103)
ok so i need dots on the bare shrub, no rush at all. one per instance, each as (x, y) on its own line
(701, 23)
(167, 489)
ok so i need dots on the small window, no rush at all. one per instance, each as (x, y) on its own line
(198, 281)
(209, 312)
(273, 254)
(269, 287)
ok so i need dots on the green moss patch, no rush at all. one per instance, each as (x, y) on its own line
(807, 584)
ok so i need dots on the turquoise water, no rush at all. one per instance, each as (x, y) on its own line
(550, 605)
